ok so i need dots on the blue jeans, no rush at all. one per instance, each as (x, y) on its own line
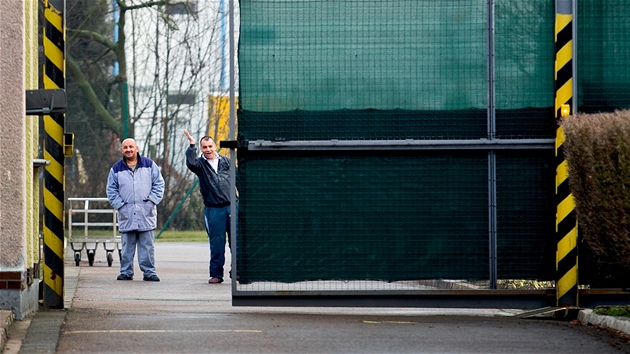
(143, 240)
(217, 222)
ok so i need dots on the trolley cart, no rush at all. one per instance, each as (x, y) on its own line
(92, 221)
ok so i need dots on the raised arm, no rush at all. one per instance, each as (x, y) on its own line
(191, 154)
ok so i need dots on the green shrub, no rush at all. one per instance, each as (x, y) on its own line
(623, 311)
(597, 150)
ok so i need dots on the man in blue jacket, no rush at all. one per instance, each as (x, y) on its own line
(135, 187)
(213, 171)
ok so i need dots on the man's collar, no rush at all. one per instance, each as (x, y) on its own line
(205, 158)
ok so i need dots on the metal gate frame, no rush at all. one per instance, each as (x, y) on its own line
(492, 298)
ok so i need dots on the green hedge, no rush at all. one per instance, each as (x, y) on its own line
(597, 150)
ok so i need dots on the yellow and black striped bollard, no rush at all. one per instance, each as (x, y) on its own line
(54, 78)
(566, 220)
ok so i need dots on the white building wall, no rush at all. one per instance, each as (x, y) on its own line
(19, 286)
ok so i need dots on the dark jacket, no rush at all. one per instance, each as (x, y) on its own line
(215, 186)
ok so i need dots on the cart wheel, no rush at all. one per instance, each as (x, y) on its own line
(110, 259)
(91, 258)
(77, 258)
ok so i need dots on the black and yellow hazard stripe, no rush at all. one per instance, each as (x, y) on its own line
(54, 78)
(566, 220)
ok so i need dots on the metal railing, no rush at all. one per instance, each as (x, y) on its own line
(94, 231)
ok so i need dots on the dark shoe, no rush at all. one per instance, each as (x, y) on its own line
(151, 278)
(215, 281)
(124, 277)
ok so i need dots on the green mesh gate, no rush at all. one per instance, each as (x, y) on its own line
(396, 145)
(393, 70)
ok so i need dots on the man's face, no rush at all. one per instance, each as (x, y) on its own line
(129, 149)
(208, 149)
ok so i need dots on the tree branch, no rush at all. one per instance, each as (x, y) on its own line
(101, 111)
(93, 36)
(123, 5)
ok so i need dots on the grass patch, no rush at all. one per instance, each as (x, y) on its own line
(166, 236)
(181, 236)
(622, 311)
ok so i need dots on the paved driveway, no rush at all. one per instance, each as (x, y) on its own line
(184, 314)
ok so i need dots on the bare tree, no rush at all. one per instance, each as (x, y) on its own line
(148, 70)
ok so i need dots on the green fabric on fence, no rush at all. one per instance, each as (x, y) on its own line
(352, 217)
(362, 125)
(526, 211)
(393, 70)
(373, 70)
(409, 55)
(393, 216)
(603, 51)
(523, 55)
(331, 55)
(397, 124)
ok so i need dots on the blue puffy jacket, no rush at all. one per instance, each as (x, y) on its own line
(135, 194)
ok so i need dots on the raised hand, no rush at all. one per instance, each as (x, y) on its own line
(190, 138)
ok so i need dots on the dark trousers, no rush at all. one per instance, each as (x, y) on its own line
(217, 222)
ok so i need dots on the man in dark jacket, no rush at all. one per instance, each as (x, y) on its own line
(213, 171)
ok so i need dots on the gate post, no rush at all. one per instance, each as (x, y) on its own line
(566, 219)
(54, 187)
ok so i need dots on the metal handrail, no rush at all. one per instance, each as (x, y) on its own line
(85, 210)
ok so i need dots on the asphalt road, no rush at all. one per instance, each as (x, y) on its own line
(184, 314)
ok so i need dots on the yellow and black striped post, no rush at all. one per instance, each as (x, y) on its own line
(566, 220)
(54, 78)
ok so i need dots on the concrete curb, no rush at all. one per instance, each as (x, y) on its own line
(6, 320)
(588, 317)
